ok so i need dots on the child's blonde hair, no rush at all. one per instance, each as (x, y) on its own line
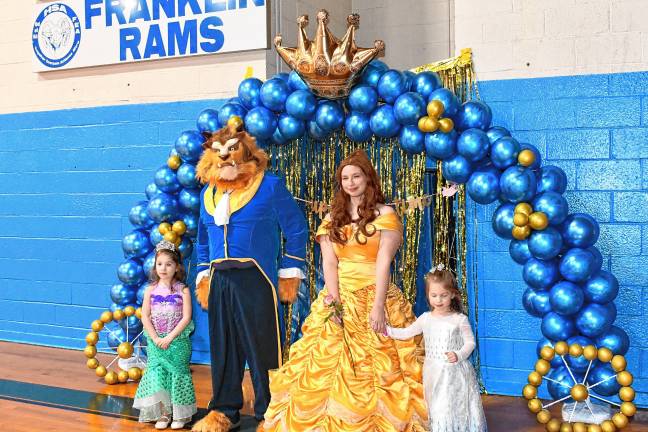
(447, 279)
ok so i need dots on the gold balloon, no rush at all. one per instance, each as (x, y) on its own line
(538, 221)
(628, 409)
(138, 312)
(446, 125)
(118, 314)
(179, 227)
(170, 236)
(542, 366)
(177, 241)
(579, 392)
(523, 208)
(535, 378)
(90, 351)
(97, 325)
(101, 371)
(520, 219)
(608, 426)
(430, 124)
(520, 233)
(604, 354)
(575, 350)
(593, 428)
(579, 427)
(92, 338)
(620, 420)
(111, 378)
(129, 311)
(627, 394)
(122, 376)
(526, 158)
(561, 348)
(553, 425)
(618, 363)
(590, 352)
(535, 405)
(529, 391)
(235, 122)
(125, 350)
(174, 162)
(135, 373)
(106, 317)
(92, 363)
(543, 416)
(624, 378)
(164, 227)
(435, 108)
(547, 353)
(566, 427)
(421, 123)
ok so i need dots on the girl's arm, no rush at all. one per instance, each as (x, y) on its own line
(468, 338)
(186, 318)
(390, 241)
(414, 329)
(329, 265)
(146, 315)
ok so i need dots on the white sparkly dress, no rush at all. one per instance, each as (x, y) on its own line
(451, 390)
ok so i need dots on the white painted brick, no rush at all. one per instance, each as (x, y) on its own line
(644, 48)
(469, 32)
(500, 28)
(582, 20)
(611, 48)
(629, 16)
(529, 25)
(473, 8)
(493, 56)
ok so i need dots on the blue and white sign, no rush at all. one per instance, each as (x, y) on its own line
(80, 33)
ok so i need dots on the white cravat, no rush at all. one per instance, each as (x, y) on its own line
(222, 211)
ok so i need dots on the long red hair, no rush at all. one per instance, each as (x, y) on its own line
(368, 208)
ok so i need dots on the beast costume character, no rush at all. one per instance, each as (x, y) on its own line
(243, 210)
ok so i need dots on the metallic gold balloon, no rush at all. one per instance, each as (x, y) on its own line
(575, 350)
(608, 426)
(92, 363)
(624, 378)
(138, 312)
(101, 371)
(535, 405)
(553, 425)
(179, 227)
(177, 241)
(526, 158)
(122, 376)
(431, 125)
(97, 325)
(628, 409)
(543, 416)
(520, 233)
(579, 392)
(524, 208)
(547, 353)
(579, 427)
(627, 394)
(618, 363)
(593, 428)
(604, 354)
(435, 108)
(535, 378)
(174, 162)
(111, 378)
(90, 351)
(529, 391)
(106, 317)
(590, 352)
(421, 123)
(129, 311)
(566, 427)
(135, 373)
(561, 348)
(118, 314)
(538, 221)
(164, 227)
(620, 420)
(170, 236)
(520, 219)
(125, 350)
(446, 125)
(235, 122)
(542, 367)
(92, 338)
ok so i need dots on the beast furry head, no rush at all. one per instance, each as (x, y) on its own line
(231, 158)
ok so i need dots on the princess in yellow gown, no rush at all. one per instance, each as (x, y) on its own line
(351, 377)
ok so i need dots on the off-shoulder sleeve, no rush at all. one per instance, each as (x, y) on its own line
(322, 230)
(389, 222)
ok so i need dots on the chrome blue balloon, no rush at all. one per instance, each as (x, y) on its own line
(189, 146)
(408, 108)
(151, 190)
(497, 132)
(603, 374)
(553, 205)
(317, 132)
(594, 319)
(538, 158)
(577, 265)
(278, 138)
(518, 184)
(545, 244)
(235, 100)
(411, 139)
(363, 98)
(291, 127)
(483, 186)
(392, 84)
(295, 82)
(148, 263)
(580, 230)
(409, 79)
(155, 237)
(450, 101)
(566, 298)
(282, 76)
(138, 215)
(329, 116)
(185, 248)
(186, 175)
(541, 274)
(372, 73)
(357, 126)
(208, 121)
(614, 338)
(189, 199)
(536, 303)
(231, 109)
(580, 363)
(425, 83)
(130, 272)
(166, 180)
(301, 104)
(519, 251)
(561, 382)
(274, 93)
(191, 222)
(553, 179)
(123, 294)
(601, 288)
(503, 220)
(133, 323)
(598, 257)
(504, 152)
(379, 65)
(456, 169)
(543, 342)
(383, 122)
(162, 207)
(115, 337)
(473, 114)
(249, 92)
(261, 122)
(473, 144)
(136, 244)
(557, 327)
(439, 145)
(140, 292)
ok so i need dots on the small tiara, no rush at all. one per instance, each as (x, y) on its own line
(438, 267)
(166, 245)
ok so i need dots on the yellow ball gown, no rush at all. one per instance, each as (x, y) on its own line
(351, 378)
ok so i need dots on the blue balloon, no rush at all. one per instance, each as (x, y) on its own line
(363, 98)
(580, 230)
(409, 79)
(282, 76)
(329, 116)
(261, 122)
(518, 184)
(580, 363)
(148, 263)
(538, 158)
(553, 205)
(372, 73)
(603, 374)
(295, 82)
(185, 248)
(138, 215)
(543, 342)
(140, 292)
(519, 251)
(208, 121)
(383, 122)
(577, 265)
(130, 272)
(357, 127)
(152, 190)
(166, 180)
(162, 207)
(301, 104)
(123, 294)
(189, 199)
(561, 383)
(278, 138)
(473, 144)
(317, 132)
(136, 244)
(594, 319)
(291, 128)
(545, 244)
(439, 145)
(392, 84)
(411, 139)
(566, 298)
(473, 114)
(249, 92)
(186, 175)
(541, 274)
(536, 303)
(133, 323)
(450, 101)
(504, 152)
(235, 100)
(553, 179)
(115, 337)
(191, 222)
(408, 108)
(503, 220)
(155, 237)
(189, 146)
(425, 83)
(483, 186)
(456, 169)
(274, 93)
(497, 132)
(557, 327)
(614, 338)
(231, 109)
(601, 288)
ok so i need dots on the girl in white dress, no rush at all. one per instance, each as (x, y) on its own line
(450, 386)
